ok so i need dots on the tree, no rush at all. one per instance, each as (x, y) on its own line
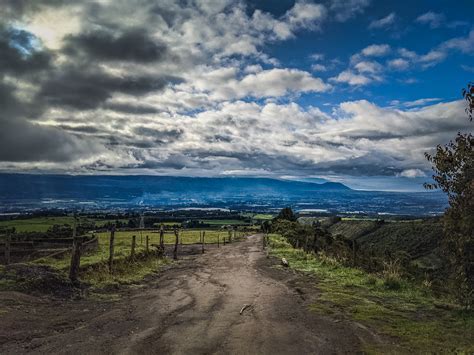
(453, 166)
(286, 213)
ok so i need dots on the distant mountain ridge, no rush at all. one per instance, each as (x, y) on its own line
(94, 186)
(25, 192)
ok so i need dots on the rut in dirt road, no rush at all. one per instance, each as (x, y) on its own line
(194, 308)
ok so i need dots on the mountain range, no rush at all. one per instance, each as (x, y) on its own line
(30, 191)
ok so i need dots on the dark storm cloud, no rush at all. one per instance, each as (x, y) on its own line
(24, 141)
(80, 129)
(255, 159)
(132, 45)
(17, 54)
(83, 89)
(172, 134)
(219, 138)
(21, 7)
(374, 164)
(133, 109)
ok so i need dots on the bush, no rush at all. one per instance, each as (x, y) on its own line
(392, 281)
(371, 280)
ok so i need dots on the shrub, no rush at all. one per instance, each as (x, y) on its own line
(392, 281)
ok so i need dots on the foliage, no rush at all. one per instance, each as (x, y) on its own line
(453, 166)
(286, 214)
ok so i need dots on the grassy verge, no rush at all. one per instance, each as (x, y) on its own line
(125, 271)
(410, 313)
(94, 264)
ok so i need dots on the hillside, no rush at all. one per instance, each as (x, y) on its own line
(416, 240)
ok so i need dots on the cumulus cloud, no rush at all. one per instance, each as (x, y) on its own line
(376, 50)
(351, 78)
(412, 173)
(225, 84)
(398, 64)
(189, 87)
(363, 70)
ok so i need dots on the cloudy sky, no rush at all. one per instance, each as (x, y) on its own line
(347, 90)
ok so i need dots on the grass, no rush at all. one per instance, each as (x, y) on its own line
(94, 265)
(122, 245)
(125, 271)
(222, 222)
(42, 224)
(421, 322)
(263, 217)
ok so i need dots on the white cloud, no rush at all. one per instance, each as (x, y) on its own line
(398, 64)
(368, 67)
(351, 78)
(305, 15)
(224, 83)
(363, 71)
(468, 68)
(421, 102)
(433, 19)
(376, 50)
(278, 82)
(384, 22)
(317, 56)
(346, 9)
(412, 173)
(439, 53)
(463, 44)
(318, 67)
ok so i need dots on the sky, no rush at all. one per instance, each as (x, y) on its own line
(354, 91)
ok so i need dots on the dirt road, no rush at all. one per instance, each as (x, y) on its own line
(192, 308)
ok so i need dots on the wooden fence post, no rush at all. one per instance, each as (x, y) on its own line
(202, 244)
(353, 252)
(134, 242)
(162, 238)
(147, 241)
(314, 243)
(175, 251)
(111, 249)
(8, 242)
(230, 236)
(264, 242)
(75, 259)
(218, 240)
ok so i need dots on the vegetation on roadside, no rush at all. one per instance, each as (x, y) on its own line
(385, 302)
(453, 168)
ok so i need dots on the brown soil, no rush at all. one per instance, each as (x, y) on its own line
(191, 308)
